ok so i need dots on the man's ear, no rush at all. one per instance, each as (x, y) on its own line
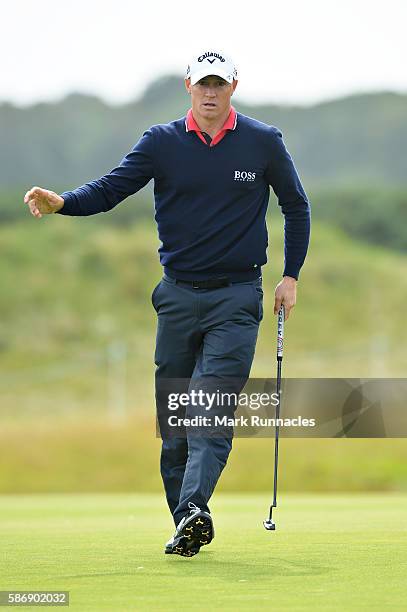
(234, 85)
(188, 85)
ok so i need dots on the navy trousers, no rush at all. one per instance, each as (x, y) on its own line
(201, 334)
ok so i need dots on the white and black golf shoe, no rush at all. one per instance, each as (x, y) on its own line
(192, 532)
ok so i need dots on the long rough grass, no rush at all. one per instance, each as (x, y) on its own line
(99, 456)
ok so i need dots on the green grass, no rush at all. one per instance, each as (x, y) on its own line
(328, 553)
(54, 456)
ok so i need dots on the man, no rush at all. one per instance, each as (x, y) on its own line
(212, 170)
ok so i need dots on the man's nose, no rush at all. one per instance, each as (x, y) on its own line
(210, 90)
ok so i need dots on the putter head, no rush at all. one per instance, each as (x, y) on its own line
(269, 525)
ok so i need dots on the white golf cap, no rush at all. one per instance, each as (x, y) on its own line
(211, 62)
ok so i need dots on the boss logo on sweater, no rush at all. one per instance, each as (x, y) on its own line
(242, 175)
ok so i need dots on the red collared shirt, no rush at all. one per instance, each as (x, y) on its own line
(230, 124)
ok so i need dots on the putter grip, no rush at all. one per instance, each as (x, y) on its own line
(280, 333)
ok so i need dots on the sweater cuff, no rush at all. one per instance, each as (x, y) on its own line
(291, 270)
(69, 204)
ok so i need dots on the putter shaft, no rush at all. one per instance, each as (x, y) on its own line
(268, 524)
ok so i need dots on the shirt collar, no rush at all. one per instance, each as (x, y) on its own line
(230, 123)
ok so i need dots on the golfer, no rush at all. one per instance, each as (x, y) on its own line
(212, 172)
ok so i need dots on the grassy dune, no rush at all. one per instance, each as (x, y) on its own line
(72, 288)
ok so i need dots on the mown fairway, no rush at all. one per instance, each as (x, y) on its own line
(345, 552)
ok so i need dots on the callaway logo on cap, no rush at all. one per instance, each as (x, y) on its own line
(211, 62)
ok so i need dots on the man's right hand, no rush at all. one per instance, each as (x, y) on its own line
(42, 201)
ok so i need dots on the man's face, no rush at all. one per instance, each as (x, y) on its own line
(210, 97)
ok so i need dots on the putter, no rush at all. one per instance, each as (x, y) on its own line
(269, 523)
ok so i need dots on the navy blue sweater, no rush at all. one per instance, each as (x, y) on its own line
(210, 202)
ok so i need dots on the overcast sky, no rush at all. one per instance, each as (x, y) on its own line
(294, 52)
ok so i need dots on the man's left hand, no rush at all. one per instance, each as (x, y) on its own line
(286, 294)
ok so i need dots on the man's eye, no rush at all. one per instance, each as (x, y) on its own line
(216, 83)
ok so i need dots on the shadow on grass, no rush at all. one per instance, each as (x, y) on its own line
(254, 569)
(209, 564)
